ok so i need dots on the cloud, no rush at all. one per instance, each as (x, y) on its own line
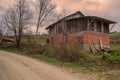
(104, 8)
(6, 3)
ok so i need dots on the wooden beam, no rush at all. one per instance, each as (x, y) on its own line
(102, 26)
(88, 24)
(95, 26)
(112, 27)
(55, 29)
(101, 44)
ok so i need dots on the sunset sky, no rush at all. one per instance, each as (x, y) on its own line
(109, 9)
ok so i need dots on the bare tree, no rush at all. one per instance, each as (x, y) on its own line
(44, 8)
(64, 13)
(10, 21)
(24, 17)
(1, 33)
(17, 18)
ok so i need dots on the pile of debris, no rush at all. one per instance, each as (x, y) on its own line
(5, 39)
(99, 48)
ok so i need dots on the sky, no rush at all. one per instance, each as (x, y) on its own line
(109, 9)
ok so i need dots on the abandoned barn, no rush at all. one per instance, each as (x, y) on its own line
(81, 32)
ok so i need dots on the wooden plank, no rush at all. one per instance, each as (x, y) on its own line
(102, 27)
(101, 44)
(92, 49)
(93, 42)
(88, 25)
(95, 26)
(112, 27)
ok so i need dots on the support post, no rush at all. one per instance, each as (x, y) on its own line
(95, 26)
(88, 25)
(102, 27)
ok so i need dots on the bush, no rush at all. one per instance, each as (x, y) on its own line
(61, 54)
(66, 55)
(72, 55)
(34, 49)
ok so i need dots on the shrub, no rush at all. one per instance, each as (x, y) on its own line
(66, 55)
(34, 49)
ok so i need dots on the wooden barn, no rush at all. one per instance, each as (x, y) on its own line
(81, 32)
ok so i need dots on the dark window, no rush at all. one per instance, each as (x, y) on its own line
(82, 25)
(106, 28)
(69, 27)
(59, 28)
(99, 26)
(76, 25)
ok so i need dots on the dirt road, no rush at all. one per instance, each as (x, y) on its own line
(16, 67)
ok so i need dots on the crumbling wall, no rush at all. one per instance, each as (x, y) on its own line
(94, 38)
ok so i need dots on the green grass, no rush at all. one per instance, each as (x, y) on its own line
(41, 41)
(12, 50)
(115, 34)
(112, 77)
(54, 61)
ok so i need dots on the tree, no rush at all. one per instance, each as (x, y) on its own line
(1, 33)
(44, 8)
(17, 18)
(64, 13)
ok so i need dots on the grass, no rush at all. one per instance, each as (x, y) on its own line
(113, 77)
(115, 34)
(54, 61)
(42, 42)
(12, 50)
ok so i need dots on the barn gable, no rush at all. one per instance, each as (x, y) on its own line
(75, 15)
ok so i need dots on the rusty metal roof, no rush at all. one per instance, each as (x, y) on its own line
(97, 18)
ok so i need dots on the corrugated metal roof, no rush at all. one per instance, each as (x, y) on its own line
(97, 18)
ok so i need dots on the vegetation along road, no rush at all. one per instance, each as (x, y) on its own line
(17, 67)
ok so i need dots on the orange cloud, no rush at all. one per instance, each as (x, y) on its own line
(104, 8)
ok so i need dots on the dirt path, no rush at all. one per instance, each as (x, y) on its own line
(16, 67)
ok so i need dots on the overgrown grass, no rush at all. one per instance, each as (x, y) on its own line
(115, 34)
(54, 61)
(12, 50)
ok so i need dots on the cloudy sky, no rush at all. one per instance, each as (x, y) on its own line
(109, 9)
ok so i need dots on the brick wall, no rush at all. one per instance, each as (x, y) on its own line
(89, 37)
(57, 39)
(71, 40)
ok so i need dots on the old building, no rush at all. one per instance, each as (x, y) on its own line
(81, 32)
